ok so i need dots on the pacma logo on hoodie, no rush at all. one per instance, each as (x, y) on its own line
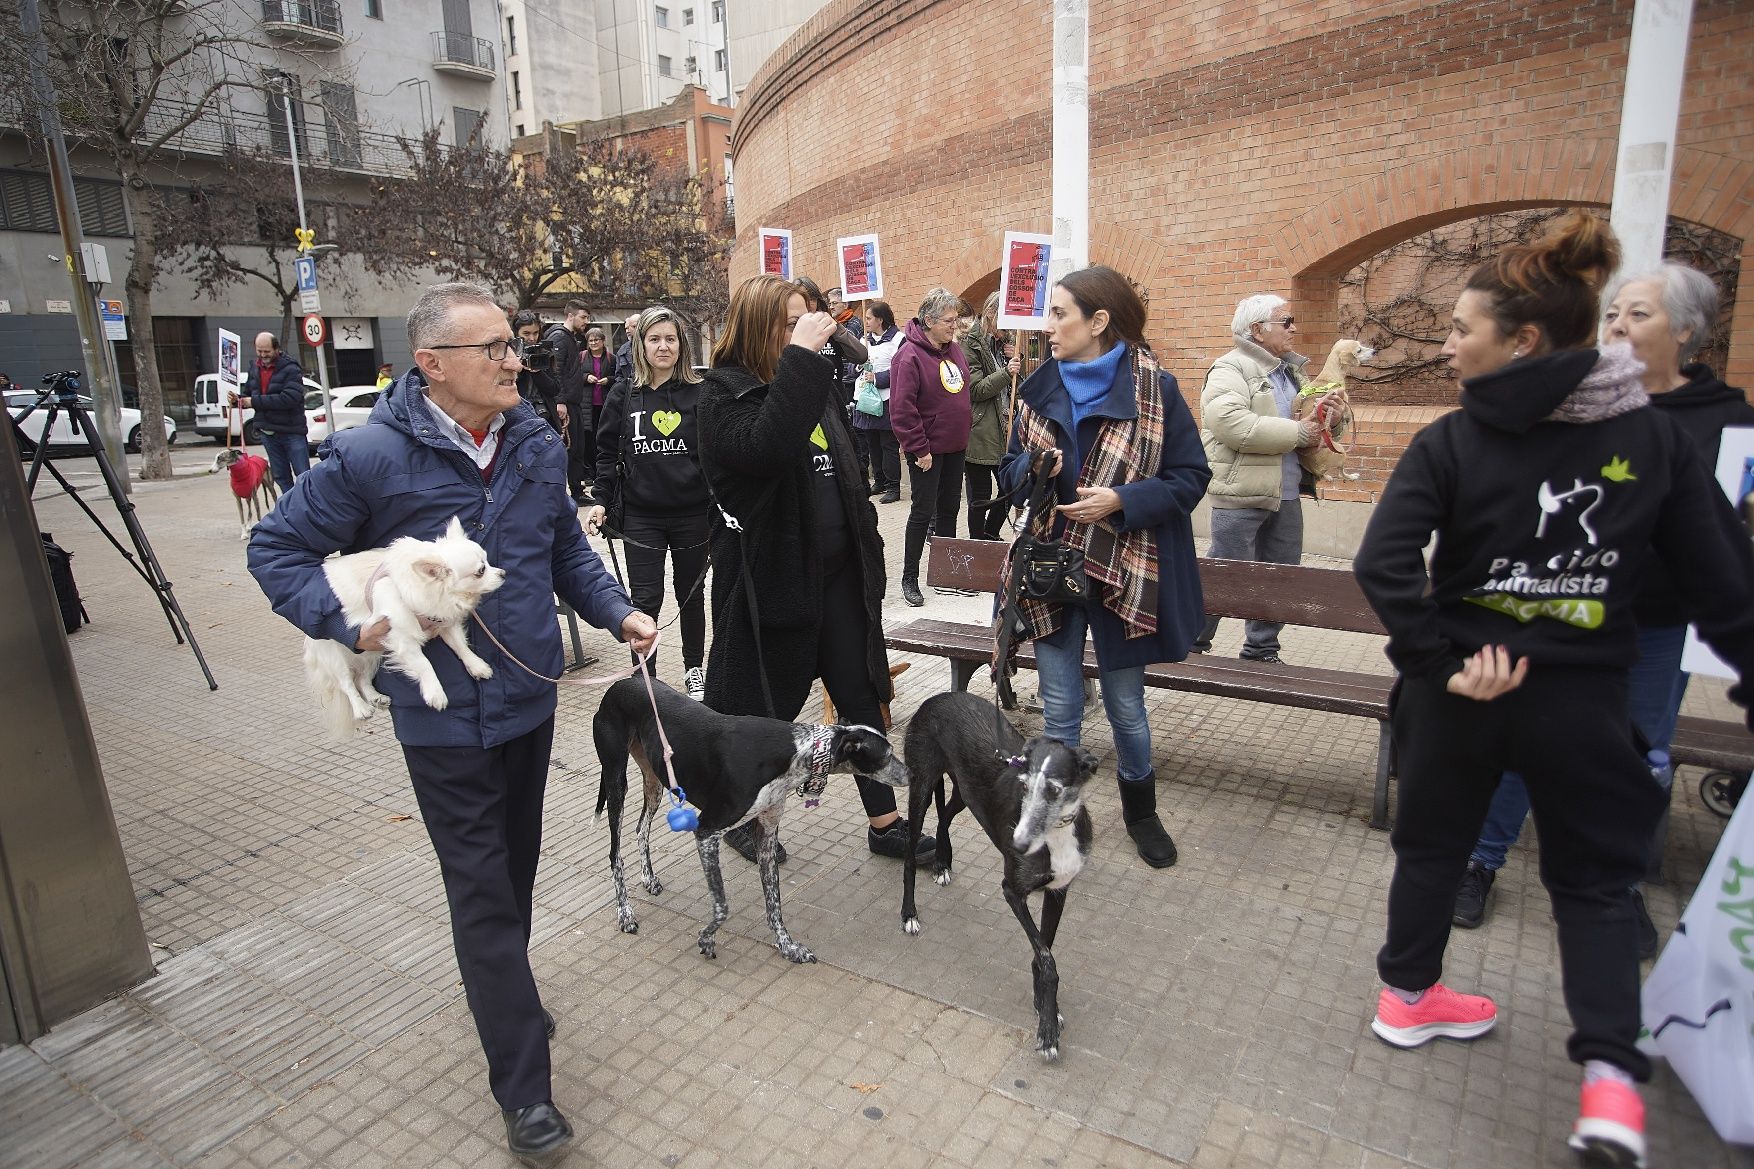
(1561, 585)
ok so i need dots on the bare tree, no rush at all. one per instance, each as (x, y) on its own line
(134, 77)
(1400, 300)
(603, 222)
(237, 224)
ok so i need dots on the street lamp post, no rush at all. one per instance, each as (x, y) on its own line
(298, 188)
(425, 97)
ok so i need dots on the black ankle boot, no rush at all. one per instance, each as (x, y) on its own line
(910, 592)
(1139, 811)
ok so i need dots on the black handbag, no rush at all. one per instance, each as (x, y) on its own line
(1049, 571)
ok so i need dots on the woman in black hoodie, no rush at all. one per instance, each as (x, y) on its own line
(1550, 492)
(648, 466)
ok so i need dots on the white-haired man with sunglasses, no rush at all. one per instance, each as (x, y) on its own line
(1252, 441)
(452, 438)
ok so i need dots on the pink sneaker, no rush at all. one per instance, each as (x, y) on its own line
(1441, 1013)
(1610, 1126)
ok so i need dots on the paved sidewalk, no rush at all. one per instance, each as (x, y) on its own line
(307, 1012)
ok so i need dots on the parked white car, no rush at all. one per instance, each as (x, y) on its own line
(210, 411)
(352, 405)
(62, 436)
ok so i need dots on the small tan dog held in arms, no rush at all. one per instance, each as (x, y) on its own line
(1326, 400)
(427, 589)
(251, 485)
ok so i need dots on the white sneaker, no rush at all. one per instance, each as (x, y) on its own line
(695, 681)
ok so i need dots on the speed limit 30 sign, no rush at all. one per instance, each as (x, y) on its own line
(315, 331)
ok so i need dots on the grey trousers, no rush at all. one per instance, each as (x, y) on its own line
(1254, 533)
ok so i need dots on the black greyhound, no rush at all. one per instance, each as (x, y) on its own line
(734, 768)
(1028, 795)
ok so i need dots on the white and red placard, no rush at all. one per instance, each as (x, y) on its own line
(1023, 281)
(776, 252)
(861, 267)
(315, 331)
(1735, 474)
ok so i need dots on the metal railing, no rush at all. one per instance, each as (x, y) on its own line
(455, 48)
(341, 145)
(322, 15)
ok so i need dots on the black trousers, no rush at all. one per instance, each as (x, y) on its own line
(581, 451)
(937, 495)
(883, 453)
(483, 812)
(1566, 731)
(685, 536)
(986, 515)
(841, 663)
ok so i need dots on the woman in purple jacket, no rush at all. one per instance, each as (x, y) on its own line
(930, 414)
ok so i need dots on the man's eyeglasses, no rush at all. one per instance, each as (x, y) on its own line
(1283, 323)
(494, 351)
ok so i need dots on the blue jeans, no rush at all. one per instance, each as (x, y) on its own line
(1655, 687)
(1061, 672)
(288, 455)
(1254, 533)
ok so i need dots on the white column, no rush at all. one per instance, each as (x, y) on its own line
(1071, 136)
(1655, 67)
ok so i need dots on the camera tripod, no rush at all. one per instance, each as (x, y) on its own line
(61, 396)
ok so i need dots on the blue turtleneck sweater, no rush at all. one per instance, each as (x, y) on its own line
(1087, 384)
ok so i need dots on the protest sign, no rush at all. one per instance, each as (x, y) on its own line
(776, 252)
(861, 267)
(1023, 281)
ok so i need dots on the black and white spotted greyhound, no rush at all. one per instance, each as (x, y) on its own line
(735, 768)
(1028, 795)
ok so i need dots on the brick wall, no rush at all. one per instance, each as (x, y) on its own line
(1234, 147)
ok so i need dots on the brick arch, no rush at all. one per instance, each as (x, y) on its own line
(1318, 247)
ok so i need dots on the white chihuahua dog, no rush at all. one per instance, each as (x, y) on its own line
(427, 589)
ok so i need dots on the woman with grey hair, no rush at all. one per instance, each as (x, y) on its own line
(1666, 315)
(929, 412)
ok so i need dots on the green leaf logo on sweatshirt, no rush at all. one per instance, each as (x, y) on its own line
(819, 438)
(1618, 470)
(666, 421)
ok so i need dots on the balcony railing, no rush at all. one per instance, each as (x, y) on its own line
(307, 22)
(459, 53)
(339, 145)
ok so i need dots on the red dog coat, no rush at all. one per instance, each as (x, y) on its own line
(247, 475)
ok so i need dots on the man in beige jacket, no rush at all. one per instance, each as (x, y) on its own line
(1251, 442)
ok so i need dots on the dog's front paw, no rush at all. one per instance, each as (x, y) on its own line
(796, 953)
(1049, 1053)
(478, 669)
(942, 876)
(654, 886)
(708, 949)
(910, 925)
(434, 696)
(376, 699)
(628, 923)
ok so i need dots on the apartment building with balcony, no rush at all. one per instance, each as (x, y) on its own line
(359, 78)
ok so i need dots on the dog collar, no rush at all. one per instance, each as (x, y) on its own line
(427, 624)
(821, 756)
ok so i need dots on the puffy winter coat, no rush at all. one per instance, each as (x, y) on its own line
(399, 475)
(1245, 437)
(280, 409)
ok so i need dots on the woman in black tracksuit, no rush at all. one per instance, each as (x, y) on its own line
(1550, 491)
(648, 465)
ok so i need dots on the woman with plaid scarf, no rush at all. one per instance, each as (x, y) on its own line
(1128, 469)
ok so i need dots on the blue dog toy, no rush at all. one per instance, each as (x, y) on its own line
(682, 819)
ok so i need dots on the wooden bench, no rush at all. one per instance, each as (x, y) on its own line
(1320, 598)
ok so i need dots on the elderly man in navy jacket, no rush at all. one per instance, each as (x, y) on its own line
(453, 438)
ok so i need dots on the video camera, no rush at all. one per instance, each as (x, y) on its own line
(537, 357)
(64, 385)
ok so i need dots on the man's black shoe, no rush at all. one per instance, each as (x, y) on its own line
(742, 839)
(548, 1021)
(1647, 929)
(910, 592)
(536, 1131)
(890, 496)
(892, 842)
(878, 489)
(1271, 658)
(1476, 885)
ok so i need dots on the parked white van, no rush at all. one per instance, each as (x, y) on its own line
(210, 411)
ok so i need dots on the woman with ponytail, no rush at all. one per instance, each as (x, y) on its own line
(1549, 491)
